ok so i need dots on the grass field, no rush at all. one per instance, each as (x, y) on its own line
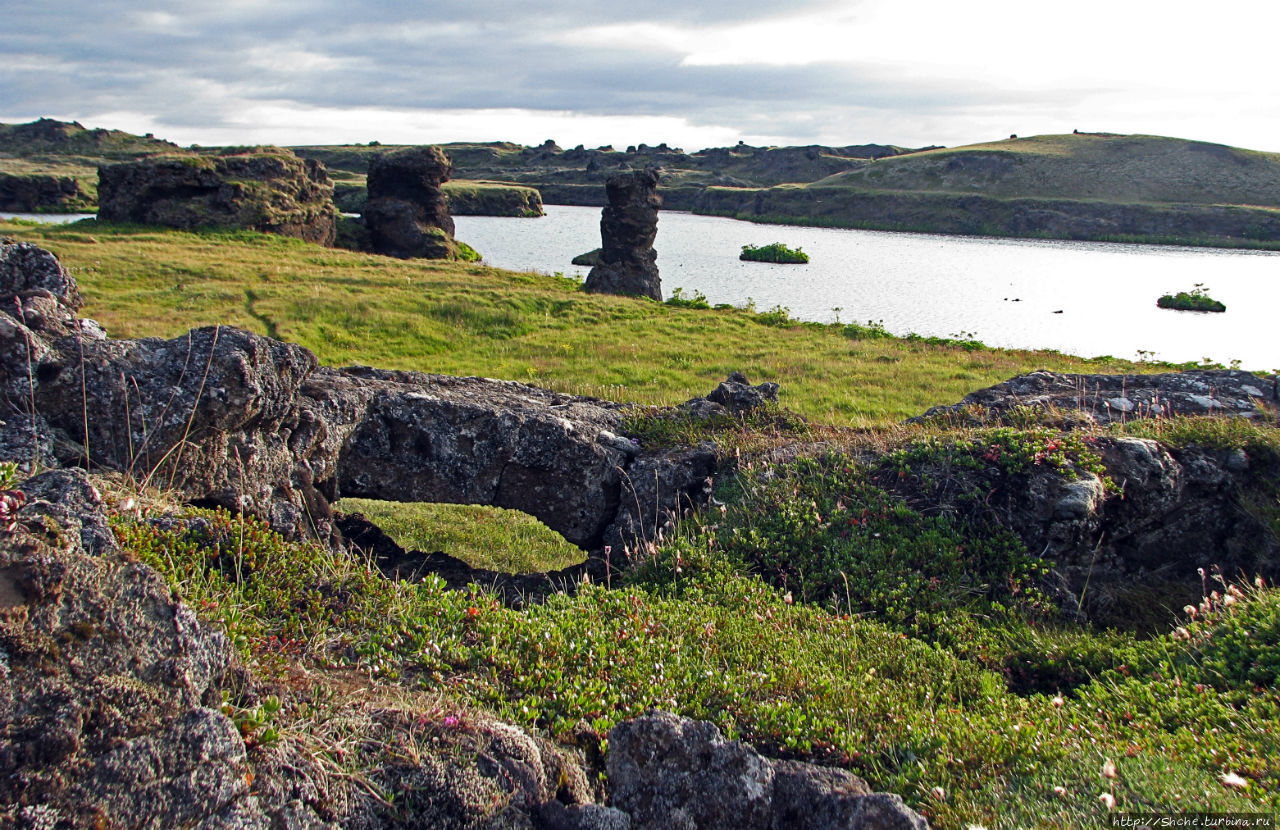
(352, 308)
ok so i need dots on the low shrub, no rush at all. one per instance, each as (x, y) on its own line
(1197, 299)
(774, 252)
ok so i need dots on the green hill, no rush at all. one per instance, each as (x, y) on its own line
(49, 165)
(1114, 168)
(1082, 186)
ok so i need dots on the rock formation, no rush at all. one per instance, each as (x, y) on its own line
(33, 192)
(1104, 399)
(264, 189)
(671, 772)
(231, 418)
(406, 211)
(493, 199)
(628, 226)
(108, 686)
(110, 689)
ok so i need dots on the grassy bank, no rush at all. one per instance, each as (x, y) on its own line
(474, 320)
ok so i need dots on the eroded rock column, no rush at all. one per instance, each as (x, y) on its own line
(628, 226)
(407, 213)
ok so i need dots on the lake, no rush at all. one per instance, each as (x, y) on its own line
(1083, 298)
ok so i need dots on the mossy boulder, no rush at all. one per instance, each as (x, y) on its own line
(406, 213)
(467, 198)
(40, 192)
(264, 189)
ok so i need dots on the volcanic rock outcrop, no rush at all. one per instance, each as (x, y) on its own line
(265, 189)
(628, 226)
(226, 417)
(36, 192)
(1104, 399)
(108, 685)
(406, 211)
(667, 771)
(231, 418)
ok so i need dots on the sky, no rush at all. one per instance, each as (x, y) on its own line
(690, 73)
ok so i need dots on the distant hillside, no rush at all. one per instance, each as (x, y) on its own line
(1114, 168)
(1082, 186)
(72, 138)
(49, 165)
(576, 176)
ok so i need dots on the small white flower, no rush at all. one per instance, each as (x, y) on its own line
(1060, 791)
(1057, 701)
(1108, 800)
(1108, 769)
(938, 793)
(1230, 779)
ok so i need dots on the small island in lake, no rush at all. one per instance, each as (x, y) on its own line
(1197, 299)
(775, 252)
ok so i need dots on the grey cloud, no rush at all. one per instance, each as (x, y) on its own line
(486, 55)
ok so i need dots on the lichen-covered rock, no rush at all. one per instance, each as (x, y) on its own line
(1103, 399)
(628, 227)
(266, 189)
(40, 300)
(213, 413)
(447, 773)
(106, 682)
(671, 772)
(1117, 545)
(406, 211)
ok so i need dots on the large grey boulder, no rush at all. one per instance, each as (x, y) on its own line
(1104, 399)
(107, 683)
(666, 771)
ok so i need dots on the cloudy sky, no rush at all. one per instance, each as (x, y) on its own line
(692, 73)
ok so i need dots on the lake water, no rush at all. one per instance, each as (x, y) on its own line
(1082, 298)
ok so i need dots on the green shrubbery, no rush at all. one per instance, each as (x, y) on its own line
(819, 529)
(694, 634)
(1197, 299)
(774, 252)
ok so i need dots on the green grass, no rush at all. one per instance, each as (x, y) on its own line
(460, 319)
(486, 537)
